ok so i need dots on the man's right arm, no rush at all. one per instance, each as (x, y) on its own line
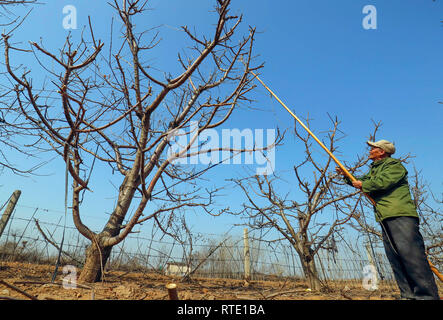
(348, 181)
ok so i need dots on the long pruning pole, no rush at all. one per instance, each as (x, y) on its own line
(348, 174)
(342, 167)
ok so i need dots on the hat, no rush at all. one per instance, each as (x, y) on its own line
(385, 145)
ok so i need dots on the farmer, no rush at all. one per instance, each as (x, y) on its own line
(387, 184)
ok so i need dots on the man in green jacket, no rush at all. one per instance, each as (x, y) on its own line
(387, 183)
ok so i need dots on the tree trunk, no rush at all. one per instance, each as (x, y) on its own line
(97, 254)
(95, 263)
(310, 271)
(308, 263)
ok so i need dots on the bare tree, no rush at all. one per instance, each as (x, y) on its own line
(11, 17)
(8, 131)
(6, 5)
(429, 208)
(302, 222)
(16, 2)
(115, 109)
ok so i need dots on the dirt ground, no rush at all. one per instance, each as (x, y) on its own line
(32, 281)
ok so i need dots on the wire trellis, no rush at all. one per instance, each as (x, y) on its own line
(217, 256)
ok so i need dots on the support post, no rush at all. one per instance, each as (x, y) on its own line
(247, 256)
(9, 209)
(172, 291)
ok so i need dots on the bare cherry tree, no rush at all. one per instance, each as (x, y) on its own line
(309, 216)
(113, 108)
(429, 208)
(8, 131)
(6, 6)
(16, 2)
(7, 13)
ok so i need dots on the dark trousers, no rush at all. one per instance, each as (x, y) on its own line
(405, 250)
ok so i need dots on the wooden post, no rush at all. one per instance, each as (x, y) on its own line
(172, 291)
(247, 255)
(9, 209)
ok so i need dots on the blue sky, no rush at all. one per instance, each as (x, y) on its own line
(318, 59)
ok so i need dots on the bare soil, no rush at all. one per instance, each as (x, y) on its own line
(34, 281)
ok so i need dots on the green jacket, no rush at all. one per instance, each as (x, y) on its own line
(387, 183)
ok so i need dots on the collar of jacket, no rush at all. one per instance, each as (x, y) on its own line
(378, 162)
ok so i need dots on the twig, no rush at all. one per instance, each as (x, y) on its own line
(9, 298)
(52, 243)
(188, 275)
(281, 293)
(142, 298)
(18, 290)
(55, 283)
(245, 297)
(343, 293)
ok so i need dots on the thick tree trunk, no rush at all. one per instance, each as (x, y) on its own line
(310, 271)
(95, 263)
(308, 263)
(97, 254)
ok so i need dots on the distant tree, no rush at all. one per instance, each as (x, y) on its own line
(116, 109)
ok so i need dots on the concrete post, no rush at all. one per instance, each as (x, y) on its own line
(9, 209)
